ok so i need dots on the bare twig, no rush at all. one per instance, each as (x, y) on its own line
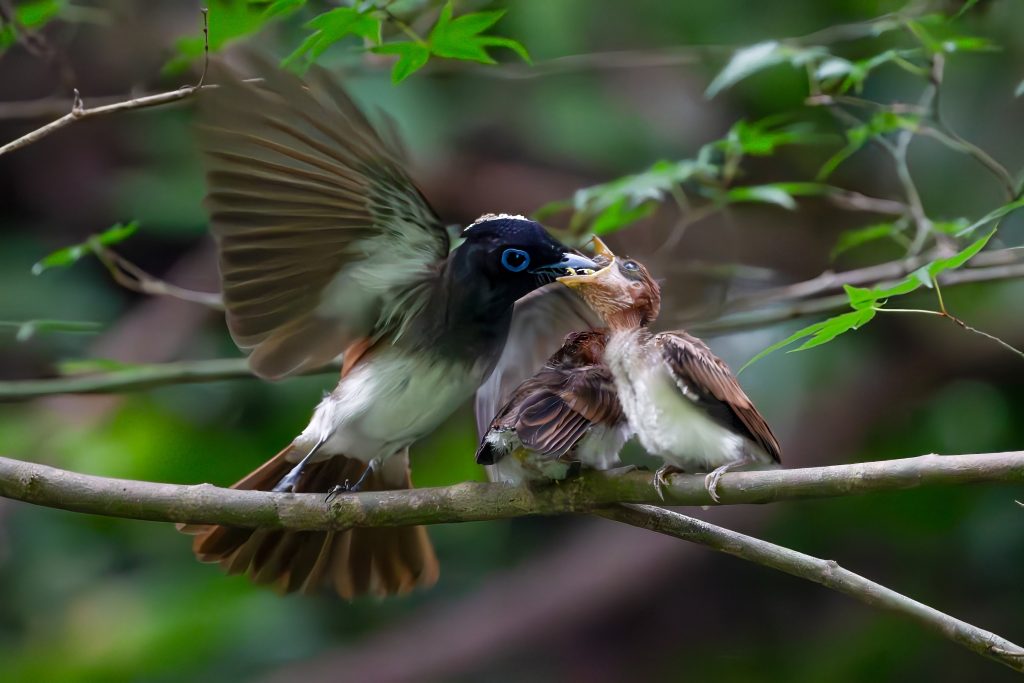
(135, 378)
(206, 46)
(130, 276)
(830, 281)
(77, 114)
(826, 572)
(471, 501)
(78, 111)
(783, 309)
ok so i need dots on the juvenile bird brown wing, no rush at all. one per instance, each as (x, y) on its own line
(323, 237)
(540, 322)
(696, 369)
(551, 411)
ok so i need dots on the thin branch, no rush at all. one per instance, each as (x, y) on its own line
(471, 501)
(155, 375)
(130, 276)
(135, 378)
(832, 281)
(825, 572)
(793, 307)
(80, 114)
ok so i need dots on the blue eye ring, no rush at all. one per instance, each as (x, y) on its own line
(515, 260)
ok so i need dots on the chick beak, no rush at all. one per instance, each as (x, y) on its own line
(578, 280)
(571, 263)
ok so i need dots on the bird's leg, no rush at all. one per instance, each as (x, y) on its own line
(289, 480)
(371, 466)
(661, 478)
(711, 480)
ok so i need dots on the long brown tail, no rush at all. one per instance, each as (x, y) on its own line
(379, 561)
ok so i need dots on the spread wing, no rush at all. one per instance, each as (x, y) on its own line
(551, 411)
(696, 369)
(540, 321)
(323, 238)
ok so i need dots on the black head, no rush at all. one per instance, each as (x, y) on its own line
(509, 256)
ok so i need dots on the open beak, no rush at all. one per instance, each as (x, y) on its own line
(571, 263)
(576, 280)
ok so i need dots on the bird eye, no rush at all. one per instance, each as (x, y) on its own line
(631, 265)
(515, 260)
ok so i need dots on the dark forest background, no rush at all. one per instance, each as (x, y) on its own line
(87, 598)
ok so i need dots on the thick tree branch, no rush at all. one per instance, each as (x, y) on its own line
(597, 492)
(205, 503)
(826, 572)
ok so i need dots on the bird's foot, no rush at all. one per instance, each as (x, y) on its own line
(338, 489)
(663, 478)
(711, 481)
(355, 486)
(288, 482)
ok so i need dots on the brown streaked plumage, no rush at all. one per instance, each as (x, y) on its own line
(683, 403)
(568, 411)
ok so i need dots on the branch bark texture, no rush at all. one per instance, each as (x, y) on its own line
(472, 501)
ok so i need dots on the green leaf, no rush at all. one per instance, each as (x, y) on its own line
(411, 58)
(89, 366)
(32, 14)
(818, 333)
(953, 227)
(869, 233)
(460, 38)
(68, 255)
(750, 60)
(969, 44)
(619, 215)
(994, 215)
(228, 20)
(840, 324)
(329, 28)
(861, 297)
(881, 123)
(763, 137)
(28, 328)
(780, 194)
(927, 274)
(282, 7)
(651, 184)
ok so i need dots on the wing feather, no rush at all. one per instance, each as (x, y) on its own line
(319, 228)
(695, 367)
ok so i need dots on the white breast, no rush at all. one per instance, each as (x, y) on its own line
(387, 402)
(667, 422)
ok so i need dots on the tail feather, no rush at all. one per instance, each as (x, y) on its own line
(379, 561)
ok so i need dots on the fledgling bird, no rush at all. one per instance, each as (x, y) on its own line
(328, 249)
(682, 402)
(568, 412)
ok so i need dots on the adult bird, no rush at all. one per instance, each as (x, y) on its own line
(568, 412)
(328, 249)
(682, 401)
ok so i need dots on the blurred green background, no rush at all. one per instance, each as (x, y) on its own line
(86, 598)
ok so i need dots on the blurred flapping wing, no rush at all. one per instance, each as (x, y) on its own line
(324, 240)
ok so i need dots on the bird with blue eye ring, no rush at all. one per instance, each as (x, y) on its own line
(515, 260)
(327, 249)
